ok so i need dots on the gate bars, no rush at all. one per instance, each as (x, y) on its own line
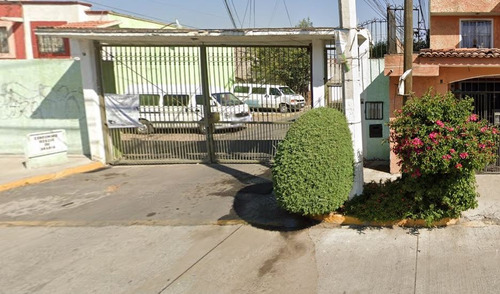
(250, 96)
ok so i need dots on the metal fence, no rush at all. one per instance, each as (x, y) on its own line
(250, 96)
(486, 95)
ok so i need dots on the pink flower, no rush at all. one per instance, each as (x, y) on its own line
(458, 166)
(446, 157)
(417, 142)
(433, 136)
(450, 129)
(483, 129)
(473, 117)
(494, 130)
(452, 150)
(440, 123)
(464, 155)
(482, 146)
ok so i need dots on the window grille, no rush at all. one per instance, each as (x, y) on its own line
(374, 110)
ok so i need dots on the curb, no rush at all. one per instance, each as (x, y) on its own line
(343, 220)
(52, 176)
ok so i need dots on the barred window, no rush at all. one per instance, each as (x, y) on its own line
(48, 44)
(374, 110)
(4, 40)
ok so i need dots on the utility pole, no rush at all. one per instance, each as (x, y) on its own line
(408, 48)
(347, 44)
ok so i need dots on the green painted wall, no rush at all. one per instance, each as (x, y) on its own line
(127, 22)
(41, 95)
(377, 91)
(126, 66)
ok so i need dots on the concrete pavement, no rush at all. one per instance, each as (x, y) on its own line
(244, 259)
(157, 229)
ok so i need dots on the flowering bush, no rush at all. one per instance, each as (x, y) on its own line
(439, 134)
(440, 144)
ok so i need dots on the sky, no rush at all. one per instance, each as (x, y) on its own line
(213, 14)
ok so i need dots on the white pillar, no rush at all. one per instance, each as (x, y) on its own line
(318, 74)
(347, 46)
(84, 50)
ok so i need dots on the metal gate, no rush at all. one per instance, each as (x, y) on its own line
(204, 104)
(486, 95)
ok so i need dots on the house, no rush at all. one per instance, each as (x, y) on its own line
(40, 76)
(463, 58)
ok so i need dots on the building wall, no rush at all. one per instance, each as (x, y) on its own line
(127, 22)
(445, 30)
(461, 6)
(165, 66)
(377, 90)
(17, 39)
(41, 95)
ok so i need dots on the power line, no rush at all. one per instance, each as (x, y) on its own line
(230, 14)
(288, 14)
(133, 13)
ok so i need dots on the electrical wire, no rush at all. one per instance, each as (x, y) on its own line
(288, 14)
(230, 13)
(133, 13)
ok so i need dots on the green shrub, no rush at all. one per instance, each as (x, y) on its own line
(428, 197)
(313, 171)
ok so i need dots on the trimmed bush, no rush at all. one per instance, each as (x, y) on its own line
(313, 171)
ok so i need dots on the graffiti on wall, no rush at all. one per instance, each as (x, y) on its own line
(42, 102)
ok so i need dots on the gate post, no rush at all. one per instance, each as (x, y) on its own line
(318, 73)
(93, 100)
(205, 89)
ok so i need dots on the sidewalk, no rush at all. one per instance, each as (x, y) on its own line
(14, 173)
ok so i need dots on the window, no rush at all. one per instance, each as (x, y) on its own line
(374, 110)
(257, 90)
(7, 47)
(476, 34)
(175, 100)
(241, 89)
(274, 91)
(149, 99)
(4, 40)
(48, 46)
(51, 45)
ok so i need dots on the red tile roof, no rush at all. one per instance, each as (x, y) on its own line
(461, 53)
(89, 24)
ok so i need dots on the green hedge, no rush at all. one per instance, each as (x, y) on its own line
(313, 171)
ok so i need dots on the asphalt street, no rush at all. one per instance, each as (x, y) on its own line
(217, 229)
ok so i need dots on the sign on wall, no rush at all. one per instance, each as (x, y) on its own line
(46, 143)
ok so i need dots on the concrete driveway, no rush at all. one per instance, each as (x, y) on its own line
(184, 229)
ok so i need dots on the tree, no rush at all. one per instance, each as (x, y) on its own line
(305, 23)
(289, 66)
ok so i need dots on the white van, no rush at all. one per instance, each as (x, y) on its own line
(159, 105)
(264, 96)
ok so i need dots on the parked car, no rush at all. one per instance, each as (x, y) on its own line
(265, 96)
(163, 106)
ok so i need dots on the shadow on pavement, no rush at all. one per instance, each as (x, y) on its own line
(257, 205)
